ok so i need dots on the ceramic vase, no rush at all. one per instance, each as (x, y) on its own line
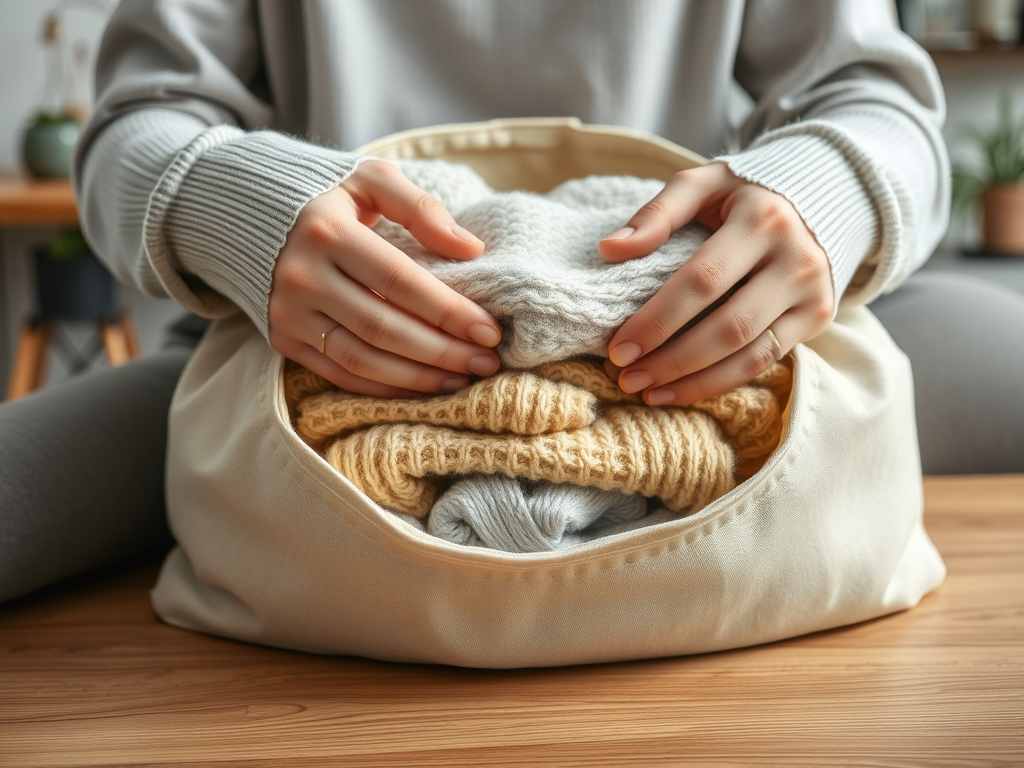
(48, 148)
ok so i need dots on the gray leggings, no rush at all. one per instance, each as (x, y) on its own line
(81, 464)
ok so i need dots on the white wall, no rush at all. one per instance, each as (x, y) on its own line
(22, 61)
(22, 74)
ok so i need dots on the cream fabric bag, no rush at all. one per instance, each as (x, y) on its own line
(276, 547)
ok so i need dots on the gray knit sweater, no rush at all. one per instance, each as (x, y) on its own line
(542, 278)
(190, 174)
(540, 275)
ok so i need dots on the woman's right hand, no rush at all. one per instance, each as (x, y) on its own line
(394, 330)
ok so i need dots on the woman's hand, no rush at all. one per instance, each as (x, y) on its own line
(388, 327)
(759, 237)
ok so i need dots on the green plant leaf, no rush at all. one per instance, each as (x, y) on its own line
(52, 118)
(69, 244)
(1002, 152)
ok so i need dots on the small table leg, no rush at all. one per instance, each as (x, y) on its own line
(118, 340)
(30, 360)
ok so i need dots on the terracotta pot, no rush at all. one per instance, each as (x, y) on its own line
(1002, 219)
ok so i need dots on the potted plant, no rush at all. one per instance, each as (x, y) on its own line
(49, 139)
(998, 183)
(71, 283)
(48, 145)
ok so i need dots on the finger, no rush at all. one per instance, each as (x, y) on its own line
(612, 370)
(374, 263)
(358, 358)
(387, 190)
(385, 326)
(307, 356)
(722, 261)
(732, 372)
(728, 329)
(677, 204)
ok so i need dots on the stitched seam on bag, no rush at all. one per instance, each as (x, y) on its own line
(512, 566)
(493, 566)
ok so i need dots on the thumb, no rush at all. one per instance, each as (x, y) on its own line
(387, 190)
(677, 203)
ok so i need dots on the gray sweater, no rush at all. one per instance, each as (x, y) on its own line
(217, 121)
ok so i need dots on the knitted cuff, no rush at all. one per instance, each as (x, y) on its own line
(223, 209)
(816, 168)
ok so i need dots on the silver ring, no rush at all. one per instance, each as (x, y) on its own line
(326, 335)
(776, 347)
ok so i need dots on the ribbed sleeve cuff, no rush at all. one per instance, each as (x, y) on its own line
(223, 209)
(844, 200)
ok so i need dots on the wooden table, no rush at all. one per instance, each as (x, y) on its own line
(27, 202)
(89, 677)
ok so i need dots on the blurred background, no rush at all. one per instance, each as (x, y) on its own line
(47, 51)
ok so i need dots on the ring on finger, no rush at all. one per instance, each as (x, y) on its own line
(776, 346)
(324, 337)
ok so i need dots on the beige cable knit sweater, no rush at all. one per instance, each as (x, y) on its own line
(562, 423)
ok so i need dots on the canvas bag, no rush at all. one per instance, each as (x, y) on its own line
(276, 547)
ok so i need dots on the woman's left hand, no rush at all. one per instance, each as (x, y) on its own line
(758, 235)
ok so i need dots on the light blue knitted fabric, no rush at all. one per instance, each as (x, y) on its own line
(511, 515)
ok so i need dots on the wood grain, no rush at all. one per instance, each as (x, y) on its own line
(89, 677)
(25, 202)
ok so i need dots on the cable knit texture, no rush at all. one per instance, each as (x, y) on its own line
(684, 456)
(511, 401)
(541, 276)
(563, 431)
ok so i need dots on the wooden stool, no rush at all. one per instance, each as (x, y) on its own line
(115, 336)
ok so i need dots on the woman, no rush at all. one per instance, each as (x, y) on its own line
(194, 185)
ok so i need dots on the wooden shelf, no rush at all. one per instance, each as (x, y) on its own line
(28, 202)
(988, 55)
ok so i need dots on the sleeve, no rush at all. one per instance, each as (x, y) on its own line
(846, 126)
(182, 189)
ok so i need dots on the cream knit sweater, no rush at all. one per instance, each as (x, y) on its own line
(565, 424)
(542, 458)
(189, 181)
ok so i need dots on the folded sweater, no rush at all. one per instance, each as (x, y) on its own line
(541, 276)
(575, 451)
(514, 515)
(562, 423)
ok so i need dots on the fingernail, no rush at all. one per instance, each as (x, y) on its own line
(484, 335)
(660, 396)
(483, 365)
(454, 385)
(465, 234)
(625, 353)
(621, 234)
(635, 381)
